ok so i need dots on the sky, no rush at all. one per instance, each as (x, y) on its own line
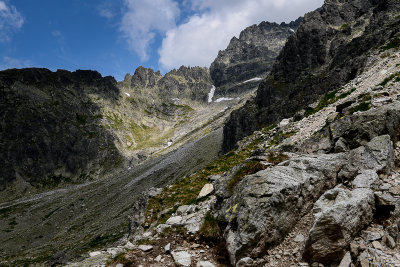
(114, 37)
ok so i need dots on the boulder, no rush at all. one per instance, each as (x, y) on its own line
(367, 179)
(338, 216)
(206, 190)
(205, 264)
(182, 258)
(265, 206)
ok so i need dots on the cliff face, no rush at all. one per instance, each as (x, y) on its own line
(50, 131)
(328, 49)
(249, 56)
(191, 83)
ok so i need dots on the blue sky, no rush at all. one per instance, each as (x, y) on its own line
(116, 36)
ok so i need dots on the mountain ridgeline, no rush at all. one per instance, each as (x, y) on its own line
(249, 56)
(328, 49)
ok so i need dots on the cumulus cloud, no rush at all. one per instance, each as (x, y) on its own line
(144, 19)
(10, 20)
(197, 41)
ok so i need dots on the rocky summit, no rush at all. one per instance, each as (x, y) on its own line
(153, 171)
(249, 58)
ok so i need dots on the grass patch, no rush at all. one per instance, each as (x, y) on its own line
(280, 137)
(268, 128)
(186, 190)
(363, 106)
(344, 26)
(120, 258)
(394, 76)
(210, 228)
(276, 158)
(394, 43)
(328, 99)
(247, 169)
(115, 121)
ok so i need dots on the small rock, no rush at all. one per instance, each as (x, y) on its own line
(167, 248)
(175, 221)
(390, 242)
(371, 236)
(185, 209)
(299, 238)
(366, 179)
(194, 245)
(346, 261)
(206, 190)
(205, 264)
(284, 122)
(129, 245)
(385, 187)
(182, 258)
(94, 253)
(377, 245)
(145, 248)
(119, 265)
(244, 262)
(395, 190)
(158, 258)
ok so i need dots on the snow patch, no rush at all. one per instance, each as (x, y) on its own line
(211, 94)
(127, 94)
(253, 80)
(225, 99)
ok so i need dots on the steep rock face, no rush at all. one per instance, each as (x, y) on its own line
(49, 128)
(329, 48)
(249, 56)
(192, 83)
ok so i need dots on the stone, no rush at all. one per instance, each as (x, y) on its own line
(390, 243)
(285, 192)
(158, 258)
(299, 238)
(182, 258)
(94, 253)
(346, 261)
(340, 145)
(185, 209)
(205, 264)
(339, 215)
(167, 248)
(145, 248)
(371, 236)
(129, 245)
(367, 179)
(119, 265)
(395, 190)
(284, 122)
(246, 261)
(206, 190)
(377, 245)
(174, 221)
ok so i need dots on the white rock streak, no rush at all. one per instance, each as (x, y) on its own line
(253, 80)
(211, 94)
(127, 94)
(225, 99)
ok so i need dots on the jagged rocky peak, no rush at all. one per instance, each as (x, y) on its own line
(251, 55)
(329, 48)
(192, 83)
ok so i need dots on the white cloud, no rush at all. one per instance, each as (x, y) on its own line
(10, 20)
(198, 40)
(144, 19)
(9, 62)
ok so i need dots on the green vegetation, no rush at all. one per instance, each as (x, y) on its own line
(146, 136)
(394, 43)
(280, 137)
(276, 158)
(363, 106)
(248, 168)
(186, 190)
(116, 122)
(365, 97)
(210, 228)
(328, 99)
(344, 26)
(395, 76)
(119, 258)
(268, 128)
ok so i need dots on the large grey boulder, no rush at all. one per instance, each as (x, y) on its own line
(376, 155)
(338, 216)
(265, 206)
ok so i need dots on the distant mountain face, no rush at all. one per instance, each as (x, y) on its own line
(249, 56)
(328, 49)
(191, 83)
(69, 127)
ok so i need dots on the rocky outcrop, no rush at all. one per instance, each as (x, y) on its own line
(192, 83)
(249, 58)
(50, 131)
(338, 216)
(328, 49)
